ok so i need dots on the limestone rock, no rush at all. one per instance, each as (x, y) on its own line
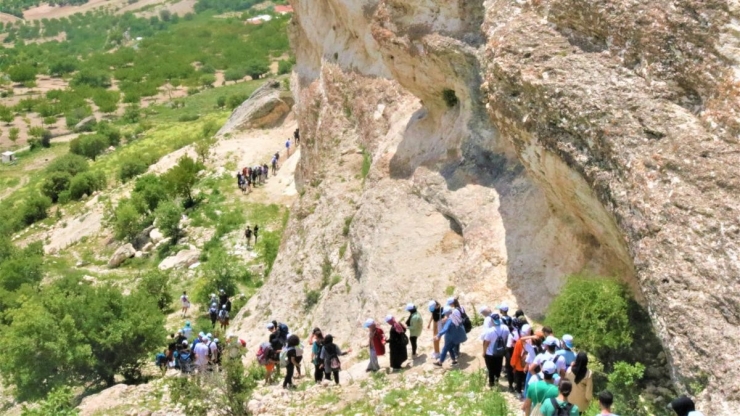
(148, 247)
(267, 106)
(156, 236)
(183, 259)
(124, 252)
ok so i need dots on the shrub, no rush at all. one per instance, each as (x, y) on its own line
(111, 133)
(624, 383)
(182, 177)
(69, 163)
(59, 402)
(312, 298)
(449, 97)
(85, 184)
(221, 102)
(54, 184)
(127, 220)
(221, 271)
(34, 209)
(595, 311)
(157, 284)
(168, 215)
(89, 145)
(151, 189)
(284, 67)
(91, 78)
(188, 117)
(131, 167)
(22, 73)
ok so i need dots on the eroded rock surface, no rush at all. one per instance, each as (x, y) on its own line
(508, 144)
(266, 107)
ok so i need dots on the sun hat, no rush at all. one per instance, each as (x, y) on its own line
(450, 301)
(568, 340)
(549, 367)
(526, 329)
(410, 307)
(432, 305)
(551, 341)
(184, 343)
(270, 326)
(446, 310)
(368, 323)
(484, 310)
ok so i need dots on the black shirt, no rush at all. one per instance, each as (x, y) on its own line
(437, 314)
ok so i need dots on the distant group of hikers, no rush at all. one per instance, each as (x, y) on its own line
(250, 177)
(546, 372)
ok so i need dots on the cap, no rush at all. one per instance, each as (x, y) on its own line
(549, 367)
(209, 335)
(187, 323)
(496, 319)
(503, 307)
(432, 305)
(201, 334)
(410, 307)
(446, 310)
(368, 323)
(388, 318)
(215, 340)
(526, 329)
(450, 301)
(568, 340)
(184, 343)
(484, 310)
(270, 326)
(551, 341)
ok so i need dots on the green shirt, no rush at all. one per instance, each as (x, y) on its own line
(547, 409)
(417, 324)
(541, 391)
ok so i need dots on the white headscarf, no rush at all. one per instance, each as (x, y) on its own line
(456, 317)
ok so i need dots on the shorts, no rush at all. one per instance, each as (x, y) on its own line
(270, 367)
(224, 321)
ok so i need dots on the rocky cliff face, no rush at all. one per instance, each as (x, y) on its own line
(508, 144)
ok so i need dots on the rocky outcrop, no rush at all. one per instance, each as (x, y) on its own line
(510, 144)
(266, 107)
(124, 252)
(183, 259)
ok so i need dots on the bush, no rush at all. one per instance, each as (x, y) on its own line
(312, 298)
(449, 97)
(54, 184)
(221, 271)
(284, 67)
(69, 163)
(59, 402)
(89, 145)
(22, 73)
(236, 100)
(127, 220)
(111, 133)
(624, 383)
(34, 209)
(157, 284)
(221, 102)
(596, 312)
(181, 178)
(188, 117)
(91, 78)
(151, 189)
(168, 215)
(131, 167)
(85, 184)
(132, 114)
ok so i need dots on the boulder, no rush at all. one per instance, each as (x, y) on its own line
(147, 247)
(181, 260)
(138, 255)
(124, 252)
(155, 235)
(266, 107)
(142, 238)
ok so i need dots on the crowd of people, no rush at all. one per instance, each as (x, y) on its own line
(545, 371)
(248, 178)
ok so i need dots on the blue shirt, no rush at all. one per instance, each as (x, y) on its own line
(569, 355)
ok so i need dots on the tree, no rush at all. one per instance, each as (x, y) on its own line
(6, 114)
(152, 190)
(284, 67)
(13, 134)
(221, 101)
(203, 148)
(207, 80)
(86, 183)
(234, 74)
(257, 67)
(182, 177)
(165, 15)
(34, 209)
(127, 220)
(131, 167)
(59, 402)
(91, 78)
(22, 73)
(157, 283)
(220, 272)
(107, 101)
(70, 163)
(41, 136)
(168, 215)
(89, 145)
(236, 100)
(54, 184)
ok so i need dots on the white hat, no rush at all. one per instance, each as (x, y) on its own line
(446, 310)
(184, 343)
(410, 307)
(551, 341)
(270, 325)
(432, 305)
(503, 307)
(450, 301)
(388, 318)
(568, 340)
(549, 367)
(526, 329)
(215, 340)
(201, 334)
(368, 323)
(209, 335)
(484, 310)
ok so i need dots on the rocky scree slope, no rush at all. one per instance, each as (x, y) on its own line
(491, 148)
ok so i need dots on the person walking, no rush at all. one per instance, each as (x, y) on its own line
(297, 137)
(292, 363)
(415, 323)
(684, 406)
(606, 399)
(256, 232)
(494, 348)
(213, 314)
(185, 303)
(317, 343)
(187, 331)
(201, 356)
(397, 340)
(542, 390)
(273, 162)
(330, 354)
(486, 313)
(266, 171)
(248, 235)
(223, 318)
(583, 385)
(287, 147)
(376, 344)
(454, 334)
(553, 407)
(436, 310)
(518, 360)
(567, 350)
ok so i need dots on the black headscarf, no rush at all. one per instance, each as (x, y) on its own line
(580, 369)
(682, 405)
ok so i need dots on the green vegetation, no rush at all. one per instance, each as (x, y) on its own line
(367, 160)
(60, 402)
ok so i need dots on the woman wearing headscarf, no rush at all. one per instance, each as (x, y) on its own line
(376, 344)
(397, 340)
(454, 334)
(583, 385)
(317, 342)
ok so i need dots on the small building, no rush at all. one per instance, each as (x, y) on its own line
(283, 9)
(257, 20)
(8, 157)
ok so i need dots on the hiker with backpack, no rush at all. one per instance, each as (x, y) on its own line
(329, 356)
(436, 310)
(266, 170)
(185, 358)
(551, 344)
(297, 137)
(185, 303)
(223, 318)
(287, 147)
(560, 406)
(518, 360)
(201, 352)
(273, 162)
(256, 233)
(454, 334)
(279, 331)
(415, 323)
(317, 342)
(213, 314)
(567, 350)
(541, 390)
(291, 362)
(376, 344)
(582, 379)
(266, 357)
(398, 341)
(494, 348)
(508, 321)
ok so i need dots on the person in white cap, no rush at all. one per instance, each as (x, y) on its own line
(436, 310)
(415, 323)
(542, 390)
(376, 344)
(551, 344)
(494, 349)
(397, 341)
(485, 312)
(567, 350)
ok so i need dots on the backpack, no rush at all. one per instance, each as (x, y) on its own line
(283, 330)
(263, 353)
(224, 314)
(499, 346)
(508, 322)
(284, 356)
(213, 310)
(561, 410)
(467, 324)
(209, 350)
(334, 363)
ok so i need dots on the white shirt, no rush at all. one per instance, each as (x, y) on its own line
(531, 353)
(214, 351)
(201, 354)
(558, 360)
(493, 333)
(513, 337)
(187, 332)
(185, 301)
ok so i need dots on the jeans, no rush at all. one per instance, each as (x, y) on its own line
(373, 365)
(452, 348)
(318, 373)
(494, 365)
(289, 375)
(413, 344)
(509, 368)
